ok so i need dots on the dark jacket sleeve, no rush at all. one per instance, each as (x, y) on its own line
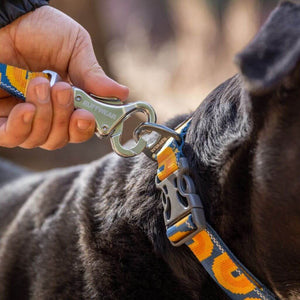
(12, 9)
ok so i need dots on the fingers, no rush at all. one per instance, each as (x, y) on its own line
(47, 120)
(67, 125)
(38, 93)
(62, 105)
(86, 73)
(82, 126)
(7, 104)
(15, 129)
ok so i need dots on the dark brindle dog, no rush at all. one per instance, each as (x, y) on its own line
(97, 231)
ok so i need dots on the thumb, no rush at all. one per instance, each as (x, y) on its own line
(86, 73)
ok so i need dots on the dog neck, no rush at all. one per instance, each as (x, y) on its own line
(218, 147)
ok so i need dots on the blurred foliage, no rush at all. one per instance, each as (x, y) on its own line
(218, 7)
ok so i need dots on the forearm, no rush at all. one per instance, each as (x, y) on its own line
(12, 9)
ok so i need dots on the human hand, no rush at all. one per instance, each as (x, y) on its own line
(48, 39)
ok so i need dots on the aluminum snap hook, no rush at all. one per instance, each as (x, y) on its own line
(121, 150)
(110, 114)
(141, 144)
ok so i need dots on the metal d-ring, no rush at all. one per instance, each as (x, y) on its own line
(164, 133)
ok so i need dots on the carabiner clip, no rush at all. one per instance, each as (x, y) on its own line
(110, 114)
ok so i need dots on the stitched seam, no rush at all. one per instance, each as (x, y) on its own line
(216, 242)
(256, 290)
(11, 89)
(190, 226)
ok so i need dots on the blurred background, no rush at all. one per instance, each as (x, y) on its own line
(170, 53)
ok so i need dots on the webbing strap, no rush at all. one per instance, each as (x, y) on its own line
(15, 80)
(207, 246)
(219, 262)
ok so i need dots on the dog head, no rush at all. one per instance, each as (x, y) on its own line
(244, 149)
(270, 68)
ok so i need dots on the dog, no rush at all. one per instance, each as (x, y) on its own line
(96, 231)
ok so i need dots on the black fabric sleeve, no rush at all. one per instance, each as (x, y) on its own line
(12, 9)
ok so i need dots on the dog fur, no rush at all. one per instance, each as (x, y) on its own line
(96, 231)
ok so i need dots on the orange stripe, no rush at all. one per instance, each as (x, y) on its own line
(166, 159)
(223, 267)
(202, 246)
(18, 78)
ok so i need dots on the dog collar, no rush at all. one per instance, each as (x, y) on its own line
(185, 224)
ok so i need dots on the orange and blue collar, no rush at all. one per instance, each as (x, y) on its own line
(185, 224)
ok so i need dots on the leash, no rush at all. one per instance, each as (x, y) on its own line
(185, 224)
(15, 80)
(183, 210)
(109, 113)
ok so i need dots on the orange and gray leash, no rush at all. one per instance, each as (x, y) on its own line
(183, 210)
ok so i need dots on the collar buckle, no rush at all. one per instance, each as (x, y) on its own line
(183, 209)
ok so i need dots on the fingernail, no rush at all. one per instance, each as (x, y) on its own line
(83, 124)
(28, 116)
(43, 93)
(63, 97)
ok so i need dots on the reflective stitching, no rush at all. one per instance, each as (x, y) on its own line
(11, 89)
(216, 242)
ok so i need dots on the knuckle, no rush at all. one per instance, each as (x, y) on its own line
(8, 144)
(61, 123)
(34, 141)
(83, 33)
(30, 144)
(54, 145)
(16, 138)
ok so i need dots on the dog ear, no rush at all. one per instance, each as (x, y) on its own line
(274, 52)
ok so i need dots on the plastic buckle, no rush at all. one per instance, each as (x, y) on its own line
(179, 199)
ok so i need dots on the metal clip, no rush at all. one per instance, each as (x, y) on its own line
(54, 77)
(163, 132)
(110, 115)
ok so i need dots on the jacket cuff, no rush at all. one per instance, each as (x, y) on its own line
(12, 9)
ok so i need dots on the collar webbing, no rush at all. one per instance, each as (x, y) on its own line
(15, 80)
(185, 224)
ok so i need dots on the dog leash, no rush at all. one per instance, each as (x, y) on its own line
(183, 210)
(109, 113)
